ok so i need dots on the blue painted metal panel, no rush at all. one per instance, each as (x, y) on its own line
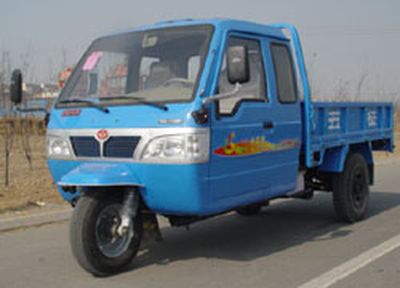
(334, 159)
(307, 112)
(261, 175)
(348, 124)
(220, 24)
(169, 189)
(98, 174)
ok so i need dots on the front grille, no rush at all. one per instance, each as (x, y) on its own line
(120, 146)
(85, 146)
(114, 147)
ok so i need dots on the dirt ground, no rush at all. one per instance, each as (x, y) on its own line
(29, 187)
(32, 187)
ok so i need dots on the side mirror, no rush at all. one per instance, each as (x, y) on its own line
(238, 64)
(16, 87)
(238, 72)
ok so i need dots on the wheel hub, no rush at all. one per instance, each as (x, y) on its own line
(358, 193)
(110, 242)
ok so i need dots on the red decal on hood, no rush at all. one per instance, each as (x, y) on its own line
(71, 112)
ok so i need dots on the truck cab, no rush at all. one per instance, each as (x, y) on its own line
(140, 92)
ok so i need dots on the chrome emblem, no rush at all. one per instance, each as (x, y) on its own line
(102, 135)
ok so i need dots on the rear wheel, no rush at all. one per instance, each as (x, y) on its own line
(351, 190)
(94, 237)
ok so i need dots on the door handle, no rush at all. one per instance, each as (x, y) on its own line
(268, 125)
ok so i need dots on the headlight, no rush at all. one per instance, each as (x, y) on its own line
(58, 148)
(182, 148)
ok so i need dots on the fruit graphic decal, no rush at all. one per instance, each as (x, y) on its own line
(253, 146)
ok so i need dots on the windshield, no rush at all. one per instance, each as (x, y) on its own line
(158, 66)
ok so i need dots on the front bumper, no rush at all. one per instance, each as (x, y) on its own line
(178, 189)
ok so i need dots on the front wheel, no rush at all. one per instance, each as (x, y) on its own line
(94, 237)
(351, 190)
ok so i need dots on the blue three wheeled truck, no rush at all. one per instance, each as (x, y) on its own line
(191, 119)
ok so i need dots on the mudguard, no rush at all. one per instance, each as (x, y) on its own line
(100, 174)
(334, 159)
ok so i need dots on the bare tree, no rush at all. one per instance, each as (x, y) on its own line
(7, 123)
(51, 73)
(8, 140)
(342, 91)
(396, 99)
(2, 86)
(315, 91)
(11, 124)
(26, 64)
(5, 74)
(360, 85)
(64, 59)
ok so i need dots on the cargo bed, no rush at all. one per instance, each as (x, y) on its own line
(336, 124)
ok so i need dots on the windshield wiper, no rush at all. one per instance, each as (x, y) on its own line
(88, 102)
(138, 99)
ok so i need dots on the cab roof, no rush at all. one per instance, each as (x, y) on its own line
(217, 23)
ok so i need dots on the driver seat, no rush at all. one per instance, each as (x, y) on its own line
(159, 74)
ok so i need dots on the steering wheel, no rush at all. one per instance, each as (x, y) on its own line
(179, 81)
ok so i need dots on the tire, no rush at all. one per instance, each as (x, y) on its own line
(351, 190)
(250, 210)
(95, 245)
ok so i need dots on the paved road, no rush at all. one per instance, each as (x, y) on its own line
(292, 243)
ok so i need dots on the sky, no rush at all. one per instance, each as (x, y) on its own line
(346, 42)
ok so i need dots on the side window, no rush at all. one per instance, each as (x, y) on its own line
(255, 88)
(284, 74)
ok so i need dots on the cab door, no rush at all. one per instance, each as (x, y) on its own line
(255, 136)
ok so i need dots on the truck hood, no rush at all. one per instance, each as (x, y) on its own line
(134, 116)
